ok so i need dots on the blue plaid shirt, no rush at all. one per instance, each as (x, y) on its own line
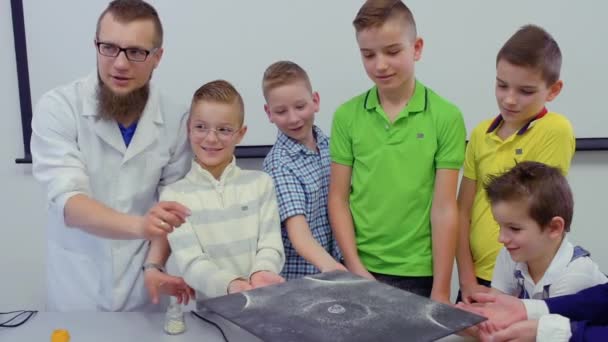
(301, 179)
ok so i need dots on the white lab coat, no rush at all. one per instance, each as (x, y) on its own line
(74, 152)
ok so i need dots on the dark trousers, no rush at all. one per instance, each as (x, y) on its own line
(480, 281)
(419, 285)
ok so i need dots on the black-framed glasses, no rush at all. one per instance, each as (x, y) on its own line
(132, 53)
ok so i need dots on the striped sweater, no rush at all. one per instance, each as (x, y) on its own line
(234, 229)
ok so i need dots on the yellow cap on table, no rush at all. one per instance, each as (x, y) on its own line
(60, 335)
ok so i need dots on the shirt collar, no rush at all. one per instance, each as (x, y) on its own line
(560, 261)
(294, 147)
(498, 120)
(200, 175)
(416, 104)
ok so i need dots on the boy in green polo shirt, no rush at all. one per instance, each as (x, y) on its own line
(396, 150)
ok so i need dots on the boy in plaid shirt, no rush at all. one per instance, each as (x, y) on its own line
(299, 165)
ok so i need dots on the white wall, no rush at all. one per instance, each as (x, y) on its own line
(588, 181)
(237, 39)
(22, 201)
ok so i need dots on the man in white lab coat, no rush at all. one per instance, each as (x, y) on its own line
(103, 146)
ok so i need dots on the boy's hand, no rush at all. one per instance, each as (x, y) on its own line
(501, 310)
(159, 283)
(470, 332)
(265, 278)
(523, 331)
(239, 285)
(361, 271)
(336, 266)
(440, 296)
(468, 291)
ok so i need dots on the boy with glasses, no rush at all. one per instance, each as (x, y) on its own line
(232, 240)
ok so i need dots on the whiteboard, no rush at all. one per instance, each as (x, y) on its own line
(237, 39)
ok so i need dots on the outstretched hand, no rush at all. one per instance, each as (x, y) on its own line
(239, 285)
(524, 331)
(336, 266)
(159, 283)
(265, 278)
(501, 310)
(361, 271)
(467, 291)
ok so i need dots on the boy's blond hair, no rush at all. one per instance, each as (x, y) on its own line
(374, 13)
(282, 73)
(220, 91)
(531, 46)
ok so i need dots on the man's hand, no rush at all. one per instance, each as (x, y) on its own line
(162, 218)
(159, 283)
(265, 278)
(239, 285)
(524, 331)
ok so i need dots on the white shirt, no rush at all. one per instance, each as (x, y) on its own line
(551, 327)
(563, 276)
(233, 231)
(76, 152)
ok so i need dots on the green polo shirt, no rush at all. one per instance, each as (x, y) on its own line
(393, 174)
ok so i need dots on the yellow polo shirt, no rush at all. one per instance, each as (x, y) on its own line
(547, 138)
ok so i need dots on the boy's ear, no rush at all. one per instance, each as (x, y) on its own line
(316, 100)
(241, 134)
(188, 126)
(267, 110)
(418, 45)
(556, 227)
(555, 89)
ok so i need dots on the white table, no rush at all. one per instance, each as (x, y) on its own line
(108, 327)
(116, 327)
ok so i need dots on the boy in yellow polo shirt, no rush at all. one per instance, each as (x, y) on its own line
(396, 150)
(527, 76)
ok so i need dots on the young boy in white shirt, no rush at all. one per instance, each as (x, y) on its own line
(232, 240)
(533, 206)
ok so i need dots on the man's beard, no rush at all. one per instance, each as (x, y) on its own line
(111, 106)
